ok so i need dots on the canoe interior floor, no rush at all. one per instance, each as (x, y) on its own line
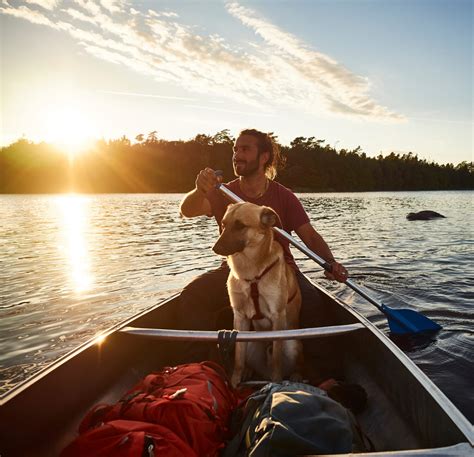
(115, 391)
(379, 421)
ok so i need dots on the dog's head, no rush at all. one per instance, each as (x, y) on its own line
(244, 225)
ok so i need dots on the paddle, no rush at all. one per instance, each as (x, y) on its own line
(400, 321)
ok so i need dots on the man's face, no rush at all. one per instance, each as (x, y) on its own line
(246, 159)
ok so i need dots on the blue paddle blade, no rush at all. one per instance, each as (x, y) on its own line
(403, 321)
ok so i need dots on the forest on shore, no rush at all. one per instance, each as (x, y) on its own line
(151, 164)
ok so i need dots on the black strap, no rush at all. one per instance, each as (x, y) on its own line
(148, 447)
(366, 441)
(226, 345)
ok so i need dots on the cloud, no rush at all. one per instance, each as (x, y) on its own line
(274, 72)
(23, 12)
(114, 6)
(89, 6)
(46, 4)
(75, 14)
(343, 91)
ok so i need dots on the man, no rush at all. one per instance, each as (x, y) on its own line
(255, 162)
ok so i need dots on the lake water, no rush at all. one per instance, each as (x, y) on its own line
(74, 265)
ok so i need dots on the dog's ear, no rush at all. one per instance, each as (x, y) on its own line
(269, 218)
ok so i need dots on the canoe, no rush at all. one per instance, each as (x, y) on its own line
(406, 413)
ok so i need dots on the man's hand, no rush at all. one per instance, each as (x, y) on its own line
(206, 180)
(338, 272)
(195, 203)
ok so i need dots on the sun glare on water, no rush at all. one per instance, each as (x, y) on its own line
(74, 211)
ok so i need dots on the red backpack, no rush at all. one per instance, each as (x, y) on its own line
(123, 438)
(195, 401)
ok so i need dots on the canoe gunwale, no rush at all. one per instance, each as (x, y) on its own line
(456, 450)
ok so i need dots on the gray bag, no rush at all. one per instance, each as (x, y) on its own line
(290, 419)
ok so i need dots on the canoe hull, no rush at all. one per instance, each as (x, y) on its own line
(405, 410)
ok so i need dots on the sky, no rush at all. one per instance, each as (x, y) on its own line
(385, 75)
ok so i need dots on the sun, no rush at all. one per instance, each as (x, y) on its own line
(68, 128)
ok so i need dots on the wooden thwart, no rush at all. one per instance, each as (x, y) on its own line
(205, 335)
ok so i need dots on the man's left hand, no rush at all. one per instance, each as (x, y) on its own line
(338, 272)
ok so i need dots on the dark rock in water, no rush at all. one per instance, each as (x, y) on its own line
(423, 216)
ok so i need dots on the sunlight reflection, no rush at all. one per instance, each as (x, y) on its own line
(74, 211)
(99, 339)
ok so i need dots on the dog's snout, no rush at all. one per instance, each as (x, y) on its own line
(217, 248)
(227, 245)
(220, 247)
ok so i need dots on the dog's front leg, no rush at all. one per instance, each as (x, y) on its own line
(240, 323)
(279, 323)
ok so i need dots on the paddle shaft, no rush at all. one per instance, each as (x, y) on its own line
(305, 250)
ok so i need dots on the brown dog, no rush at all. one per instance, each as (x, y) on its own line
(263, 291)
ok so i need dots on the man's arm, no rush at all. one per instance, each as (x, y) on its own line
(195, 203)
(316, 243)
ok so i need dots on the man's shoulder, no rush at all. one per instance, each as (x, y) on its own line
(280, 186)
(282, 190)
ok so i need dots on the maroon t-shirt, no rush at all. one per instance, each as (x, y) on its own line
(282, 200)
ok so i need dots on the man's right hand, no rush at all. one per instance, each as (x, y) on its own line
(196, 203)
(206, 180)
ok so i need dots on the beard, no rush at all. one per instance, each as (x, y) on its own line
(246, 168)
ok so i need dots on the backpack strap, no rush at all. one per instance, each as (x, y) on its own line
(241, 420)
(364, 438)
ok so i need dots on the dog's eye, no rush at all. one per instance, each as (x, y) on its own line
(239, 225)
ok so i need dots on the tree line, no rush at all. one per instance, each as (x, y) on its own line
(151, 164)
